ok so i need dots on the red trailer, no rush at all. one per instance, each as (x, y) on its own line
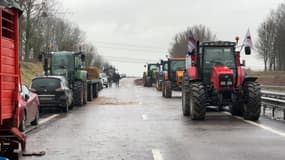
(10, 81)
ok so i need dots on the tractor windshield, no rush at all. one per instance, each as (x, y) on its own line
(217, 56)
(153, 67)
(223, 56)
(62, 62)
(177, 66)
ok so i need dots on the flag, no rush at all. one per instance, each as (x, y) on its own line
(191, 43)
(247, 40)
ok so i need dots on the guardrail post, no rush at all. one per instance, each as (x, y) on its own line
(284, 114)
(273, 112)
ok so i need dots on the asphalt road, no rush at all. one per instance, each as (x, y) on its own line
(136, 123)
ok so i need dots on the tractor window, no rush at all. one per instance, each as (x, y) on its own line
(177, 66)
(63, 61)
(223, 56)
(153, 67)
(217, 56)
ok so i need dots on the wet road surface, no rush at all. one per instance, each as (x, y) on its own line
(136, 123)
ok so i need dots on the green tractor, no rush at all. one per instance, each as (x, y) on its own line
(71, 65)
(149, 76)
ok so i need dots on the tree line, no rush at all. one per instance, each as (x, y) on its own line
(43, 29)
(271, 38)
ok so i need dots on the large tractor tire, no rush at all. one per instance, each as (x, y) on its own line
(236, 108)
(252, 105)
(185, 99)
(198, 101)
(85, 93)
(78, 94)
(158, 86)
(168, 91)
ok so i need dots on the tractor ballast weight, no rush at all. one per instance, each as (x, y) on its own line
(215, 77)
(172, 76)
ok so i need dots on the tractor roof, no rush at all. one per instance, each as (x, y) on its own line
(176, 59)
(217, 44)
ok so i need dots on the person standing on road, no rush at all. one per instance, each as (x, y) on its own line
(110, 77)
(117, 79)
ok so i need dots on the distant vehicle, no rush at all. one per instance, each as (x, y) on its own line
(104, 79)
(123, 75)
(53, 92)
(83, 80)
(172, 76)
(29, 103)
(149, 75)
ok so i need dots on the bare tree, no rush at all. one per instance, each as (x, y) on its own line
(179, 46)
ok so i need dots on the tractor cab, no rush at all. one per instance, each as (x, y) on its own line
(217, 65)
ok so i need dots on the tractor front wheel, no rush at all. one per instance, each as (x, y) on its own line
(185, 100)
(198, 101)
(168, 91)
(236, 108)
(252, 105)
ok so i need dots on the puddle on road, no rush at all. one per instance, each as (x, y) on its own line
(111, 101)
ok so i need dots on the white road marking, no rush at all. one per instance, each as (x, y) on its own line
(42, 121)
(259, 125)
(144, 117)
(156, 154)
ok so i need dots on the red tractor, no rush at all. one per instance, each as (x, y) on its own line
(10, 79)
(215, 77)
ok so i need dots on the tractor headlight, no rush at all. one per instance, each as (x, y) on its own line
(230, 83)
(223, 83)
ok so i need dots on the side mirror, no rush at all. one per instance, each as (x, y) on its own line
(161, 62)
(144, 66)
(83, 57)
(243, 63)
(247, 50)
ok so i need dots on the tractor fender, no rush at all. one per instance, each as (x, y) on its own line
(249, 79)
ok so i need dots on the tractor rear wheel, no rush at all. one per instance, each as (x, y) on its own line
(168, 91)
(185, 100)
(198, 101)
(78, 95)
(252, 105)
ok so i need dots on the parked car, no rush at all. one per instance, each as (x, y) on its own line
(29, 112)
(104, 79)
(53, 92)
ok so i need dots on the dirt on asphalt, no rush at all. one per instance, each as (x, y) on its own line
(110, 101)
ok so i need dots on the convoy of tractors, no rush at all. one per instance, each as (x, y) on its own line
(210, 75)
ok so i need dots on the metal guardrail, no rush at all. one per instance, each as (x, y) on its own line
(273, 100)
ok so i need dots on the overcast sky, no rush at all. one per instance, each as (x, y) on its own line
(129, 33)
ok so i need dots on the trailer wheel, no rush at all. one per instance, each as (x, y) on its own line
(23, 122)
(78, 94)
(197, 101)
(36, 120)
(252, 105)
(185, 100)
(168, 91)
